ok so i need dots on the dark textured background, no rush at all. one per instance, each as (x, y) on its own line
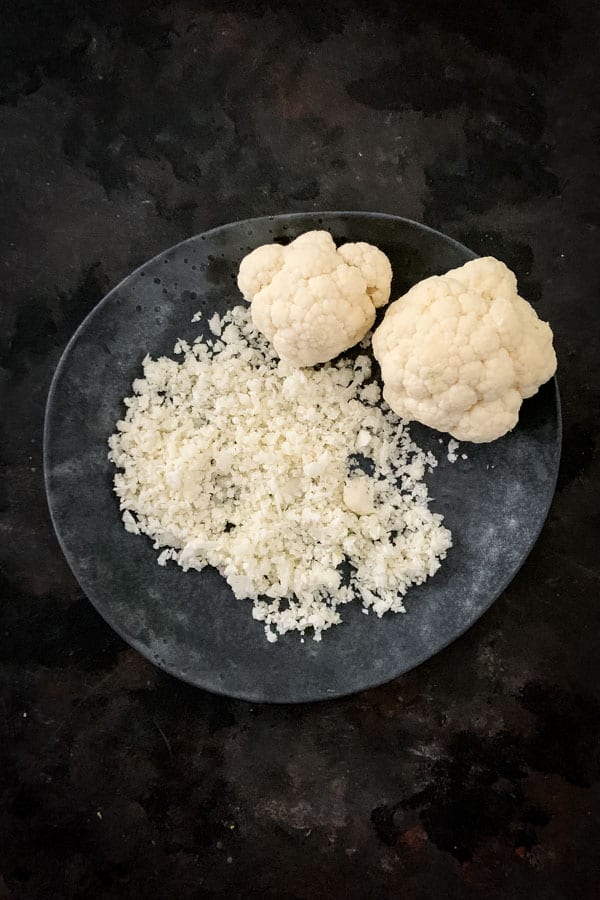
(127, 126)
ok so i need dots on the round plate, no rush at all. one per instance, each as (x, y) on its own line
(495, 502)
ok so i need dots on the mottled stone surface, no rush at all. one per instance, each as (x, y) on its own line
(128, 126)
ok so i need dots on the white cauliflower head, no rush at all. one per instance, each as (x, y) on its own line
(311, 300)
(460, 352)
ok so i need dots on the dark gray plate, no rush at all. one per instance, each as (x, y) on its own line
(495, 502)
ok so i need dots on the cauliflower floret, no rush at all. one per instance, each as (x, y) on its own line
(258, 268)
(374, 266)
(311, 300)
(487, 276)
(460, 352)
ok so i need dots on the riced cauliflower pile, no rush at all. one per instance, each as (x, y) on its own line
(235, 459)
(461, 351)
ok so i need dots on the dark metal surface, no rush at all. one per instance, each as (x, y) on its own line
(128, 126)
(190, 624)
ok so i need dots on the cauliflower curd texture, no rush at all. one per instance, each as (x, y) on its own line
(460, 352)
(311, 299)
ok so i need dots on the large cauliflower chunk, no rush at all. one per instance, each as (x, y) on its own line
(460, 352)
(311, 300)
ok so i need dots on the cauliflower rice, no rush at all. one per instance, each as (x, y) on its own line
(234, 459)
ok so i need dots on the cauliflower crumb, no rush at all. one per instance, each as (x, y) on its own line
(214, 323)
(165, 556)
(358, 496)
(130, 523)
(197, 316)
(181, 347)
(231, 458)
(431, 460)
(371, 393)
(452, 448)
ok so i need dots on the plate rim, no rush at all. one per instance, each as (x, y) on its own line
(248, 696)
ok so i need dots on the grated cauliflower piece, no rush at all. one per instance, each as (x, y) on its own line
(358, 496)
(311, 300)
(453, 446)
(460, 352)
